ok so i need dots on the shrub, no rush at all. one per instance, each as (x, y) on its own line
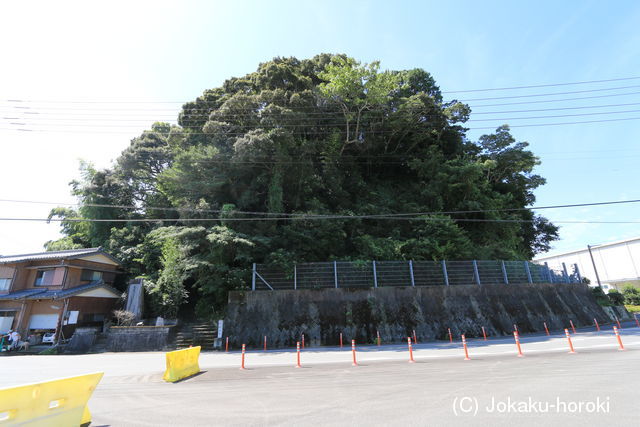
(631, 295)
(615, 297)
(124, 317)
(601, 297)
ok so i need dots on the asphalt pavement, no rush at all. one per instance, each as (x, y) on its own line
(548, 385)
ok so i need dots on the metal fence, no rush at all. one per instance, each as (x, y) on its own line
(375, 274)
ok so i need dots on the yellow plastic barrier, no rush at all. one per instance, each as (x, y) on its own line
(182, 364)
(61, 402)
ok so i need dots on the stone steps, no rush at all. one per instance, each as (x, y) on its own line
(202, 334)
(100, 345)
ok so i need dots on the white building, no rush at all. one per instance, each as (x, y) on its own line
(616, 263)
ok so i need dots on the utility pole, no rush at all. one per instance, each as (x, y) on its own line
(594, 266)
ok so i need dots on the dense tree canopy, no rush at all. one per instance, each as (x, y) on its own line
(293, 140)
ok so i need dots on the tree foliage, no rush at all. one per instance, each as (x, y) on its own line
(323, 136)
(600, 295)
(631, 294)
(615, 297)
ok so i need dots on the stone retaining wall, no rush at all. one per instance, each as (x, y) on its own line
(322, 314)
(82, 340)
(138, 338)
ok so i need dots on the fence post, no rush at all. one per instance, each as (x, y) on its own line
(413, 282)
(546, 266)
(375, 275)
(526, 268)
(476, 273)
(253, 277)
(504, 273)
(565, 274)
(577, 270)
(444, 272)
(295, 276)
(335, 273)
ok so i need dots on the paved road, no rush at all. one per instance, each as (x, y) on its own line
(383, 390)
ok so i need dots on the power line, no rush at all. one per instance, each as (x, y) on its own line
(559, 124)
(123, 118)
(316, 133)
(83, 120)
(253, 112)
(154, 220)
(208, 110)
(556, 109)
(46, 114)
(26, 109)
(232, 112)
(374, 159)
(308, 125)
(554, 100)
(196, 210)
(18, 100)
(397, 159)
(107, 132)
(50, 101)
(554, 116)
(548, 94)
(542, 85)
(40, 121)
(25, 101)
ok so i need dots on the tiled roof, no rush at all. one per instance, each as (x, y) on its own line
(57, 294)
(21, 294)
(65, 293)
(53, 255)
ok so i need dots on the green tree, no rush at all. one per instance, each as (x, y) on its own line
(356, 88)
(62, 244)
(168, 291)
(438, 238)
(76, 232)
(298, 139)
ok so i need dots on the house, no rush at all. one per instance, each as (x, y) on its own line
(57, 291)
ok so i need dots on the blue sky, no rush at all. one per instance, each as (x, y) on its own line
(172, 51)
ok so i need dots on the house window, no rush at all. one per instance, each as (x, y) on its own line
(5, 284)
(92, 318)
(44, 277)
(91, 275)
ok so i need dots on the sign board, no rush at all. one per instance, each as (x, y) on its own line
(220, 325)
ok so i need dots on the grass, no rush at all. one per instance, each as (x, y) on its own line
(633, 309)
(49, 351)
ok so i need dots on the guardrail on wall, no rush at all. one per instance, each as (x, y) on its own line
(374, 274)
